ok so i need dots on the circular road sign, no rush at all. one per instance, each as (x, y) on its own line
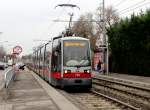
(17, 49)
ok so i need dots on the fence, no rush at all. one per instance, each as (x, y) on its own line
(9, 77)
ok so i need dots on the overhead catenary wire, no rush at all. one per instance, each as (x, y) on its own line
(130, 7)
(59, 14)
(71, 14)
(119, 3)
(52, 24)
(63, 9)
(77, 21)
(135, 8)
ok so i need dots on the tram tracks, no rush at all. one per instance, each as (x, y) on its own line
(94, 100)
(90, 101)
(134, 95)
(124, 105)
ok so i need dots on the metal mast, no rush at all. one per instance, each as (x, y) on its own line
(105, 43)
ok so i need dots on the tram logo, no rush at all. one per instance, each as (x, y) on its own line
(77, 75)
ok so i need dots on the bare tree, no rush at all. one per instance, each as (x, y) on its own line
(91, 28)
(84, 27)
(111, 17)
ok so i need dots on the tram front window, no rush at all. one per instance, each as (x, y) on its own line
(76, 53)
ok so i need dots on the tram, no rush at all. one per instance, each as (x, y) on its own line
(64, 62)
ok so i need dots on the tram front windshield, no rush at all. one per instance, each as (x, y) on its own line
(76, 53)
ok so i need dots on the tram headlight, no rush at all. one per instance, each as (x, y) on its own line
(67, 71)
(87, 71)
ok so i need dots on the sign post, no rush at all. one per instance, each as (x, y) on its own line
(17, 50)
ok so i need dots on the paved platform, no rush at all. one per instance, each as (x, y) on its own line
(127, 77)
(29, 92)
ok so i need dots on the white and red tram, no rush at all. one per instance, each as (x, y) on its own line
(64, 61)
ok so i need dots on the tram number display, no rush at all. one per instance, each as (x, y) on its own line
(80, 44)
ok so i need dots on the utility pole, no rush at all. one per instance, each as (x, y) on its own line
(105, 43)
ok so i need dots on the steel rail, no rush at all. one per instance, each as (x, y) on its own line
(115, 100)
(123, 91)
(124, 84)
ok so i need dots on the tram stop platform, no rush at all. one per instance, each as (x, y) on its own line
(124, 77)
(30, 92)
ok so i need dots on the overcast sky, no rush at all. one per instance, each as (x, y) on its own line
(23, 21)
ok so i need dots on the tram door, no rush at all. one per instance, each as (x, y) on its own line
(37, 62)
(42, 61)
(56, 62)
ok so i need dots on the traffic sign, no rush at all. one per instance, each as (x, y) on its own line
(17, 49)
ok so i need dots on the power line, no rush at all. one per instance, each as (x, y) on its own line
(77, 21)
(63, 9)
(119, 3)
(136, 7)
(53, 23)
(132, 6)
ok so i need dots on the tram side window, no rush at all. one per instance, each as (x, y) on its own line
(39, 55)
(42, 57)
(33, 60)
(48, 54)
(36, 60)
(56, 56)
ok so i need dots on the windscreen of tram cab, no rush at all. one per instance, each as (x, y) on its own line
(76, 53)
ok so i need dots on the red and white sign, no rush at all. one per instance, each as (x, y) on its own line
(17, 49)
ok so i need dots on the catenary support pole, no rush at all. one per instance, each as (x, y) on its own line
(105, 42)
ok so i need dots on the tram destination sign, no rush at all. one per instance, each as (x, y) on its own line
(80, 44)
(17, 50)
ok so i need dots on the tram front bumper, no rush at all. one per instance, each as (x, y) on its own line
(87, 82)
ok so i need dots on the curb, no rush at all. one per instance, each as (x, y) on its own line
(59, 99)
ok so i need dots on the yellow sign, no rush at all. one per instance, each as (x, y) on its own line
(81, 44)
